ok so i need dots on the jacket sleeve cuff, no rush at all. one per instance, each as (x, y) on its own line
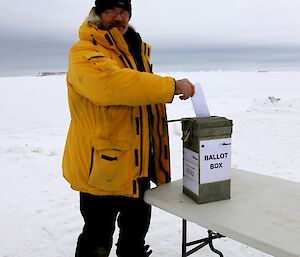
(174, 91)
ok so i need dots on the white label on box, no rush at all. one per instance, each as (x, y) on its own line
(191, 170)
(215, 160)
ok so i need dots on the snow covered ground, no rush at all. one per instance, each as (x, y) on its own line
(39, 213)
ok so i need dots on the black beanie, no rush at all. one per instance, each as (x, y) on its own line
(102, 5)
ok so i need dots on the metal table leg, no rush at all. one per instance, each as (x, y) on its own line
(183, 238)
(201, 243)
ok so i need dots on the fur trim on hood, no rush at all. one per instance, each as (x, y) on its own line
(94, 18)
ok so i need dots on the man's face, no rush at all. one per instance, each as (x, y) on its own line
(115, 17)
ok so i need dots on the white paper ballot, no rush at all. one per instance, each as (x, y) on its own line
(199, 102)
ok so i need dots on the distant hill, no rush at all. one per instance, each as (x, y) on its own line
(42, 74)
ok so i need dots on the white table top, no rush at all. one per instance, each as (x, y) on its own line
(263, 212)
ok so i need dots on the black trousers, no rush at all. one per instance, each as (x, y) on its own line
(100, 213)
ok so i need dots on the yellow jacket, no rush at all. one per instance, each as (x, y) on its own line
(107, 147)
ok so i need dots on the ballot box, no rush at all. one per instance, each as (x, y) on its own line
(206, 158)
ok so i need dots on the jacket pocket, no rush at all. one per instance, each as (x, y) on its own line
(112, 166)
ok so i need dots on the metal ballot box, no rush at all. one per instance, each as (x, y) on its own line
(206, 158)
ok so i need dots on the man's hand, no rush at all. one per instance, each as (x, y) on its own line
(184, 88)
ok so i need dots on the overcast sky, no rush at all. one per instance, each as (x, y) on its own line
(37, 26)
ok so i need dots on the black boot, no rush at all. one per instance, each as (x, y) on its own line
(83, 250)
(101, 252)
(129, 252)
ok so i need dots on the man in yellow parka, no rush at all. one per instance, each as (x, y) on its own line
(118, 137)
